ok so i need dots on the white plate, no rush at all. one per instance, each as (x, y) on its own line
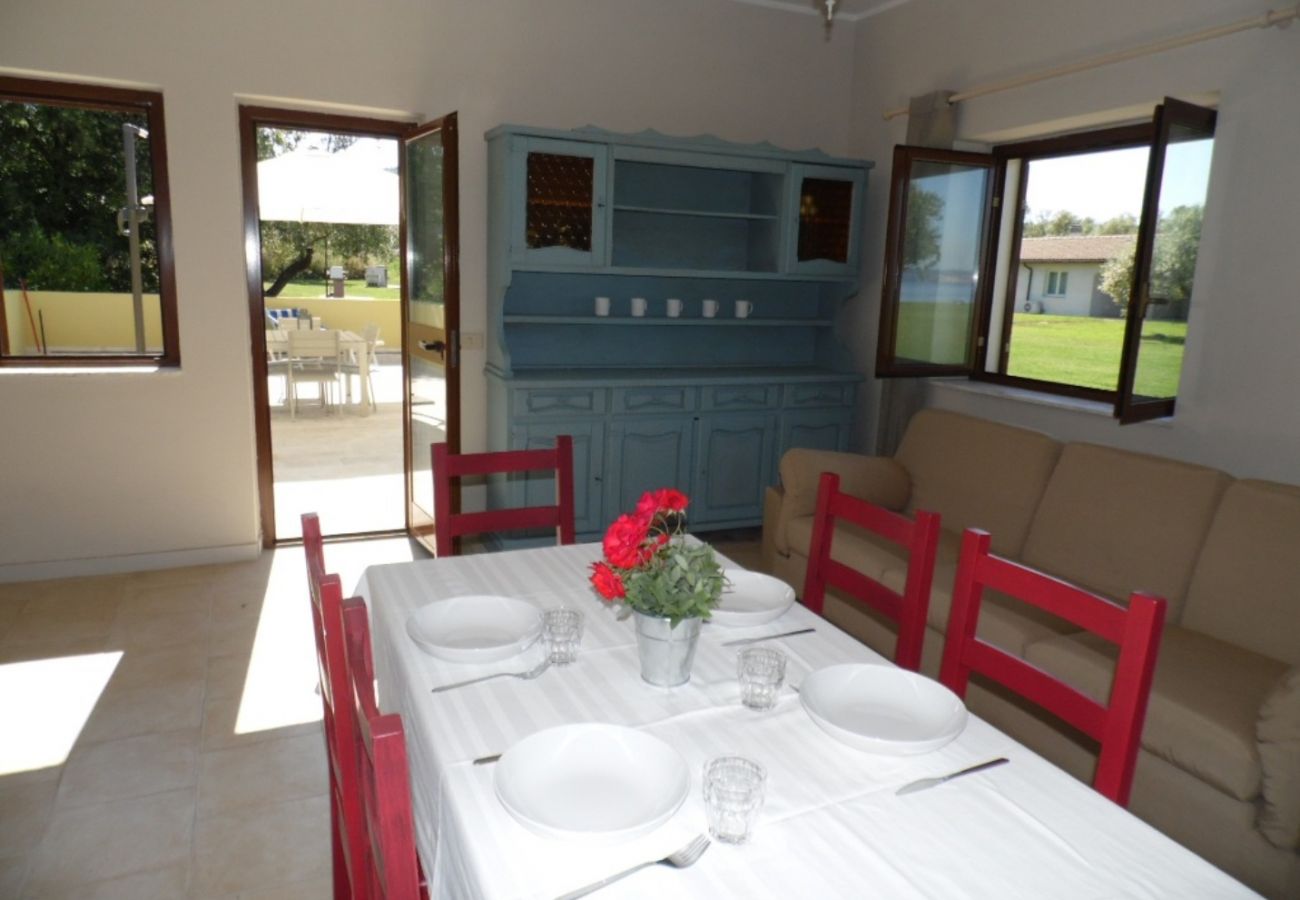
(751, 598)
(882, 709)
(594, 783)
(478, 628)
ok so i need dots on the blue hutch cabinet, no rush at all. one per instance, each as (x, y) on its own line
(757, 247)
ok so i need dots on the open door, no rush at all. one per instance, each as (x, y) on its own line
(431, 305)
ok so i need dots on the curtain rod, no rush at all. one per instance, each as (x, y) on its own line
(1280, 18)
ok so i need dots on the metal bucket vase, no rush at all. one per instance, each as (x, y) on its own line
(666, 652)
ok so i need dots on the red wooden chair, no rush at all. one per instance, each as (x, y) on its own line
(919, 537)
(447, 467)
(392, 870)
(347, 838)
(1116, 725)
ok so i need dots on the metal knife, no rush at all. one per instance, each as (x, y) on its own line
(766, 637)
(924, 783)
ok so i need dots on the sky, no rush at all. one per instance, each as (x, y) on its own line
(1104, 185)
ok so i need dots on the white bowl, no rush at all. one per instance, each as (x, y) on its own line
(751, 598)
(882, 709)
(591, 782)
(476, 628)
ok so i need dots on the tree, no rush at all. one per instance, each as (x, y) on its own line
(62, 181)
(1173, 263)
(921, 240)
(1124, 223)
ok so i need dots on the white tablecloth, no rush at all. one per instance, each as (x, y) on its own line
(832, 825)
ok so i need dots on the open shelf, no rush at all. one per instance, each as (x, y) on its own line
(661, 321)
(704, 213)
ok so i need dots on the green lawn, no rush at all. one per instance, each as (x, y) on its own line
(354, 288)
(1073, 350)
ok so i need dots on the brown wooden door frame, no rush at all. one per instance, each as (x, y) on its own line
(448, 127)
(250, 119)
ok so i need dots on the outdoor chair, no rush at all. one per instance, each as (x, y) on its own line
(1116, 724)
(920, 537)
(352, 365)
(315, 357)
(448, 467)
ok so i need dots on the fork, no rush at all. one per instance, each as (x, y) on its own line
(526, 676)
(679, 859)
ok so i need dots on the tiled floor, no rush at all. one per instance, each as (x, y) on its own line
(160, 732)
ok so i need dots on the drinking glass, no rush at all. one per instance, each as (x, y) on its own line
(562, 631)
(761, 671)
(733, 795)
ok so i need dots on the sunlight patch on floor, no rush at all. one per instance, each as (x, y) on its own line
(280, 686)
(44, 704)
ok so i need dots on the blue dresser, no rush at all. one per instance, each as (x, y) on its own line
(669, 303)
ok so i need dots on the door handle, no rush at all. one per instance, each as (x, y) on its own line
(434, 346)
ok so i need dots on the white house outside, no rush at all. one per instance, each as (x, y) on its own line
(1062, 275)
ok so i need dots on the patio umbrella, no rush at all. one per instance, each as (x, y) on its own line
(355, 186)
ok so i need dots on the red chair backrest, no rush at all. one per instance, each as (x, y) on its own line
(1116, 725)
(448, 466)
(921, 539)
(393, 869)
(313, 546)
(347, 827)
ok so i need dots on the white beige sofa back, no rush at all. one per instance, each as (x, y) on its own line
(1220, 765)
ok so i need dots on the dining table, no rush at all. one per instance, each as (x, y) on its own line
(832, 824)
(277, 346)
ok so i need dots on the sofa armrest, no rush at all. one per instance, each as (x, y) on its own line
(877, 479)
(1278, 733)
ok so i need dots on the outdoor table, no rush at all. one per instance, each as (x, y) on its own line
(831, 826)
(277, 344)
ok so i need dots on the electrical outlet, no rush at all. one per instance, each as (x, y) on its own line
(471, 340)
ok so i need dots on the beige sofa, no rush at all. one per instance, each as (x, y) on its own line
(1220, 765)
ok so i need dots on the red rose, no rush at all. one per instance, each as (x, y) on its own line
(624, 540)
(662, 500)
(606, 581)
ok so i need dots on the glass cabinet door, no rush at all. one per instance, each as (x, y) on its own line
(560, 213)
(826, 206)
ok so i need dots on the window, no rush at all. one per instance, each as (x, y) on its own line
(85, 227)
(1119, 209)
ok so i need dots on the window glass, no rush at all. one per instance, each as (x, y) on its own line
(82, 224)
(1081, 209)
(1183, 186)
(941, 256)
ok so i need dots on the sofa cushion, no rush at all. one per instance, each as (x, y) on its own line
(1004, 621)
(851, 545)
(1279, 751)
(976, 474)
(1115, 522)
(1205, 699)
(1246, 585)
(876, 479)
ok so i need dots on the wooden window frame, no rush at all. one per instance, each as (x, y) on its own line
(1153, 134)
(79, 95)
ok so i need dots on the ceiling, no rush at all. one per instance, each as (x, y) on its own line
(845, 10)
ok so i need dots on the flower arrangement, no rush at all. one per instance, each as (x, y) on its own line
(650, 567)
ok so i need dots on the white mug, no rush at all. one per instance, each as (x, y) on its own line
(710, 308)
(743, 309)
(602, 306)
(638, 306)
(674, 307)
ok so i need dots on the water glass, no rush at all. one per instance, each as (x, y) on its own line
(733, 795)
(761, 671)
(562, 631)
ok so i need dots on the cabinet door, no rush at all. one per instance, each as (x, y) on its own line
(538, 489)
(734, 453)
(645, 454)
(560, 210)
(815, 429)
(826, 206)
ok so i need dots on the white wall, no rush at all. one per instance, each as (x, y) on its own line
(1080, 279)
(1237, 406)
(116, 470)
